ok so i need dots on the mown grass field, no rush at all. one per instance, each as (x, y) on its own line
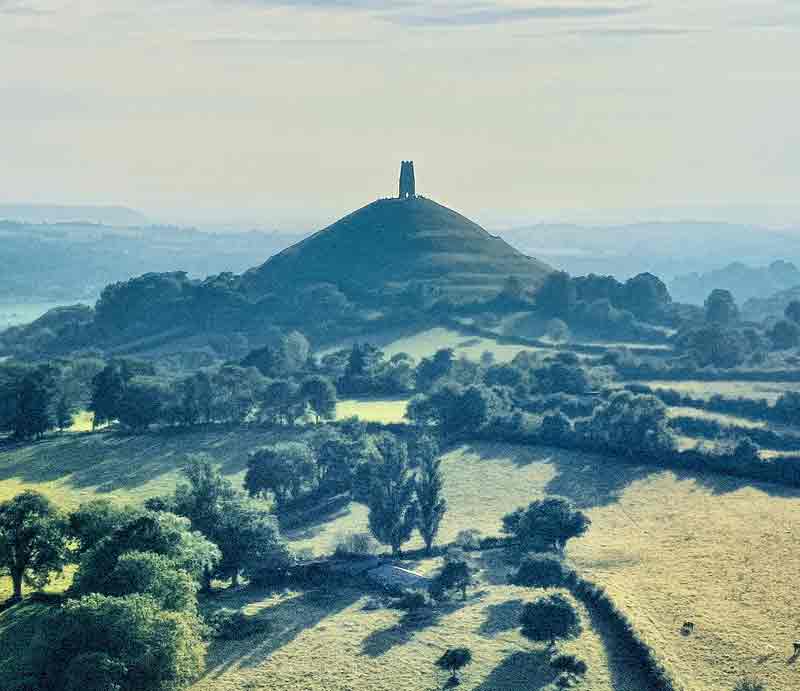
(669, 548)
(384, 410)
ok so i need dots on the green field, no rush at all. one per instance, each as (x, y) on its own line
(384, 410)
(771, 391)
(669, 547)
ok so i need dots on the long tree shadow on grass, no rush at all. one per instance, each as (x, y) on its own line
(287, 619)
(530, 671)
(501, 618)
(113, 460)
(380, 642)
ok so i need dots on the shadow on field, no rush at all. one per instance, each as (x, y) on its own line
(522, 670)
(308, 522)
(287, 619)
(379, 642)
(114, 460)
(501, 618)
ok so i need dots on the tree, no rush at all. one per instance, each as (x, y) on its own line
(32, 540)
(430, 502)
(455, 575)
(629, 424)
(646, 296)
(546, 524)
(63, 413)
(279, 403)
(245, 531)
(713, 345)
(784, 335)
(721, 308)
(141, 404)
(392, 510)
(34, 394)
(792, 311)
(282, 469)
(550, 618)
(556, 296)
(126, 643)
(541, 571)
(454, 660)
(96, 519)
(338, 456)
(157, 532)
(320, 393)
(431, 369)
(155, 575)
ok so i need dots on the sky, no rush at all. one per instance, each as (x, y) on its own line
(288, 114)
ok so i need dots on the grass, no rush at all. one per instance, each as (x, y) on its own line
(386, 411)
(669, 547)
(731, 389)
(328, 640)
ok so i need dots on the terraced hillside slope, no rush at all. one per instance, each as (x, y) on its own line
(391, 243)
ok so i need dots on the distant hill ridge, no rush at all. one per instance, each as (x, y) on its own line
(51, 213)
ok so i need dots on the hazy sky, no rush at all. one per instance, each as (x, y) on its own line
(280, 113)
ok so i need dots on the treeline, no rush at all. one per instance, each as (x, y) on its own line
(785, 410)
(35, 398)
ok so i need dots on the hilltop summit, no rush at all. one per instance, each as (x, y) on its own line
(394, 242)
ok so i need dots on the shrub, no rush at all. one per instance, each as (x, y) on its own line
(469, 539)
(541, 571)
(749, 684)
(235, 625)
(352, 544)
(410, 601)
(569, 664)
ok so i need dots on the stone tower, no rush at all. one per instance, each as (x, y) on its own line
(407, 185)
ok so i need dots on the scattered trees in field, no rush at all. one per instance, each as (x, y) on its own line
(33, 545)
(546, 524)
(550, 618)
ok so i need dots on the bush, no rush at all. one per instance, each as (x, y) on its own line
(353, 544)
(569, 664)
(235, 625)
(469, 539)
(541, 571)
(749, 684)
(410, 601)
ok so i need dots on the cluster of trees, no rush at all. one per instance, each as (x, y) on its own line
(36, 398)
(131, 621)
(400, 483)
(133, 393)
(363, 370)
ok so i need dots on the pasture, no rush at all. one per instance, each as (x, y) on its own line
(668, 546)
(768, 390)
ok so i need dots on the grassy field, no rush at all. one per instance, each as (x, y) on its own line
(669, 547)
(731, 389)
(384, 410)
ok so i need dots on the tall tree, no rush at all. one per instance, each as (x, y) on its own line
(320, 393)
(34, 394)
(721, 308)
(392, 510)
(429, 484)
(32, 540)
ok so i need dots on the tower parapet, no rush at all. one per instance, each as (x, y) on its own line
(407, 183)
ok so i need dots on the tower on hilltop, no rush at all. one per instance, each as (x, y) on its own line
(407, 184)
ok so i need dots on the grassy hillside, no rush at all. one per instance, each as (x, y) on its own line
(392, 242)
